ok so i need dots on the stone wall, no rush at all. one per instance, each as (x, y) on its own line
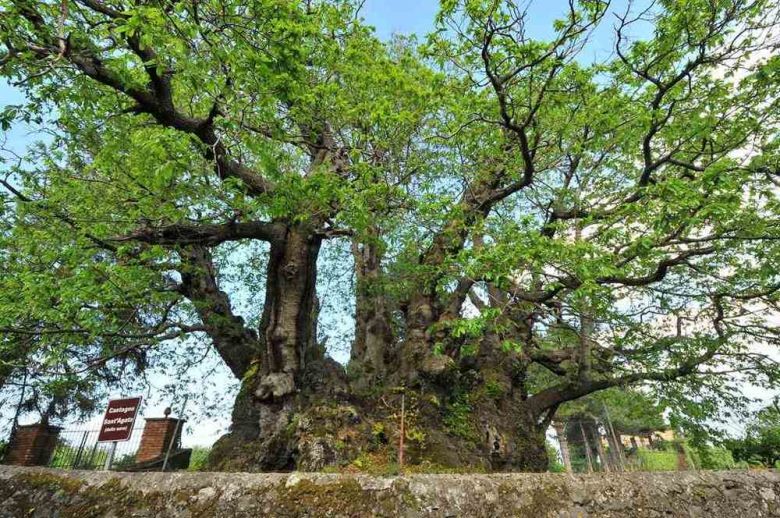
(44, 493)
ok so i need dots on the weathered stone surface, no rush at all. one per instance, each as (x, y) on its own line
(44, 493)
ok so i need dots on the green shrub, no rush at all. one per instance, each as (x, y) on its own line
(123, 462)
(715, 457)
(555, 466)
(650, 460)
(198, 459)
(692, 455)
(457, 419)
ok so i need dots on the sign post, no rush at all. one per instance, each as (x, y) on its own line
(110, 456)
(118, 424)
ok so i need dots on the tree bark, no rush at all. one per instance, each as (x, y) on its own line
(373, 328)
(236, 344)
(420, 315)
(296, 410)
(593, 429)
(531, 454)
(289, 368)
(287, 322)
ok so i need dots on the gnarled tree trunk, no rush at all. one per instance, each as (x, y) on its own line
(466, 407)
(288, 370)
(288, 320)
(373, 328)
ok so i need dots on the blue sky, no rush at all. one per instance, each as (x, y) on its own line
(400, 16)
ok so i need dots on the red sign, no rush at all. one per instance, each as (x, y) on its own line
(119, 419)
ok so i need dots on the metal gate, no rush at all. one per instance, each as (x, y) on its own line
(79, 449)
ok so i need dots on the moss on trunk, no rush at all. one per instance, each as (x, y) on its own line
(468, 422)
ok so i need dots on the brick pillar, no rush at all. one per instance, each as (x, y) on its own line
(32, 445)
(156, 437)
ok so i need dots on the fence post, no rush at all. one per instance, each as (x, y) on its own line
(32, 445)
(83, 442)
(92, 455)
(618, 446)
(587, 448)
(563, 442)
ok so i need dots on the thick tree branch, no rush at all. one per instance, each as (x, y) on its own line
(236, 344)
(205, 234)
(157, 102)
(571, 390)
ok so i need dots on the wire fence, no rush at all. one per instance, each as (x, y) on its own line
(80, 449)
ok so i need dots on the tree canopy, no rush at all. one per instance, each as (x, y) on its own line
(524, 226)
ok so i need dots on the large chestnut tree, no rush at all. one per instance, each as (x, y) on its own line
(526, 225)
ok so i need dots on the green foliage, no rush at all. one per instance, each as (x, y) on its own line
(630, 411)
(556, 466)
(494, 389)
(65, 455)
(715, 457)
(692, 455)
(123, 461)
(458, 418)
(761, 443)
(110, 304)
(654, 460)
(199, 458)
(378, 431)
(376, 464)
